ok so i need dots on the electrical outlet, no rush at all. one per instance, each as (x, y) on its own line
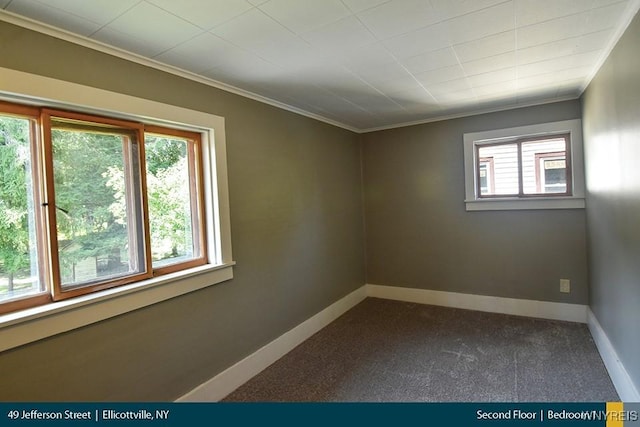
(565, 286)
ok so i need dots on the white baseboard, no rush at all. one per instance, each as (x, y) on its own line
(233, 377)
(518, 307)
(619, 375)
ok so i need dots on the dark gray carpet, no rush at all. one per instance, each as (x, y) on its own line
(384, 351)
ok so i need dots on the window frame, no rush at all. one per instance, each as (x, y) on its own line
(518, 142)
(47, 116)
(30, 324)
(573, 199)
(196, 188)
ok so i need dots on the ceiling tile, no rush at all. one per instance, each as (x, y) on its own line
(98, 11)
(365, 58)
(128, 42)
(449, 86)
(201, 53)
(264, 30)
(245, 68)
(390, 71)
(333, 76)
(503, 88)
(412, 98)
(360, 5)
(565, 47)
(534, 11)
(503, 102)
(431, 60)
(346, 34)
(491, 63)
(152, 25)
(462, 97)
(53, 16)
(552, 30)
(398, 17)
(440, 75)
(485, 22)
(205, 14)
(289, 52)
(448, 9)
(486, 46)
(398, 85)
(257, 2)
(305, 15)
(606, 17)
(492, 77)
(417, 42)
(559, 64)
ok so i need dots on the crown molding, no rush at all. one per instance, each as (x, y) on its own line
(59, 33)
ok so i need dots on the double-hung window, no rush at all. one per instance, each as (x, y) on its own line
(530, 167)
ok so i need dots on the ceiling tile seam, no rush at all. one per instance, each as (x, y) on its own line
(516, 51)
(265, 13)
(630, 12)
(96, 45)
(112, 20)
(298, 36)
(365, 9)
(436, 22)
(564, 40)
(454, 45)
(466, 77)
(397, 62)
(193, 23)
(204, 30)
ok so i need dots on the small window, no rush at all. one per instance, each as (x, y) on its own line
(530, 167)
(524, 168)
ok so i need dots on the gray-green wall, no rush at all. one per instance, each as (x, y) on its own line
(611, 110)
(420, 236)
(297, 234)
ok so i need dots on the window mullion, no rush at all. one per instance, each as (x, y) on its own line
(145, 202)
(53, 273)
(520, 170)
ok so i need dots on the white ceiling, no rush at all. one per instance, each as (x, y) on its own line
(364, 64)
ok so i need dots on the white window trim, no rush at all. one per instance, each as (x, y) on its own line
(576, 201)
(25, 326)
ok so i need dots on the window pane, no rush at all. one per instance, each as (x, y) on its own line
(170, 198)
(544, 166)
(503, 175)
(18, 246)
(97, 203)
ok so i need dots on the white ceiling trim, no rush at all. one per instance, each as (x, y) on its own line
(56, 32)
(630, 13)
(470, 113)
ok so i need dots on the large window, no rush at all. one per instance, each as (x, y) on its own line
(92, 202)
(166, 160)
(530, 167)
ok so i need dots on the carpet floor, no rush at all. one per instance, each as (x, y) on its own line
(390, 351)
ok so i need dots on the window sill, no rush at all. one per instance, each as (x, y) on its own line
(25, 326)
(523, 204)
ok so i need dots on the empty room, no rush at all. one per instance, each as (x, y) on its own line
(324, 201)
